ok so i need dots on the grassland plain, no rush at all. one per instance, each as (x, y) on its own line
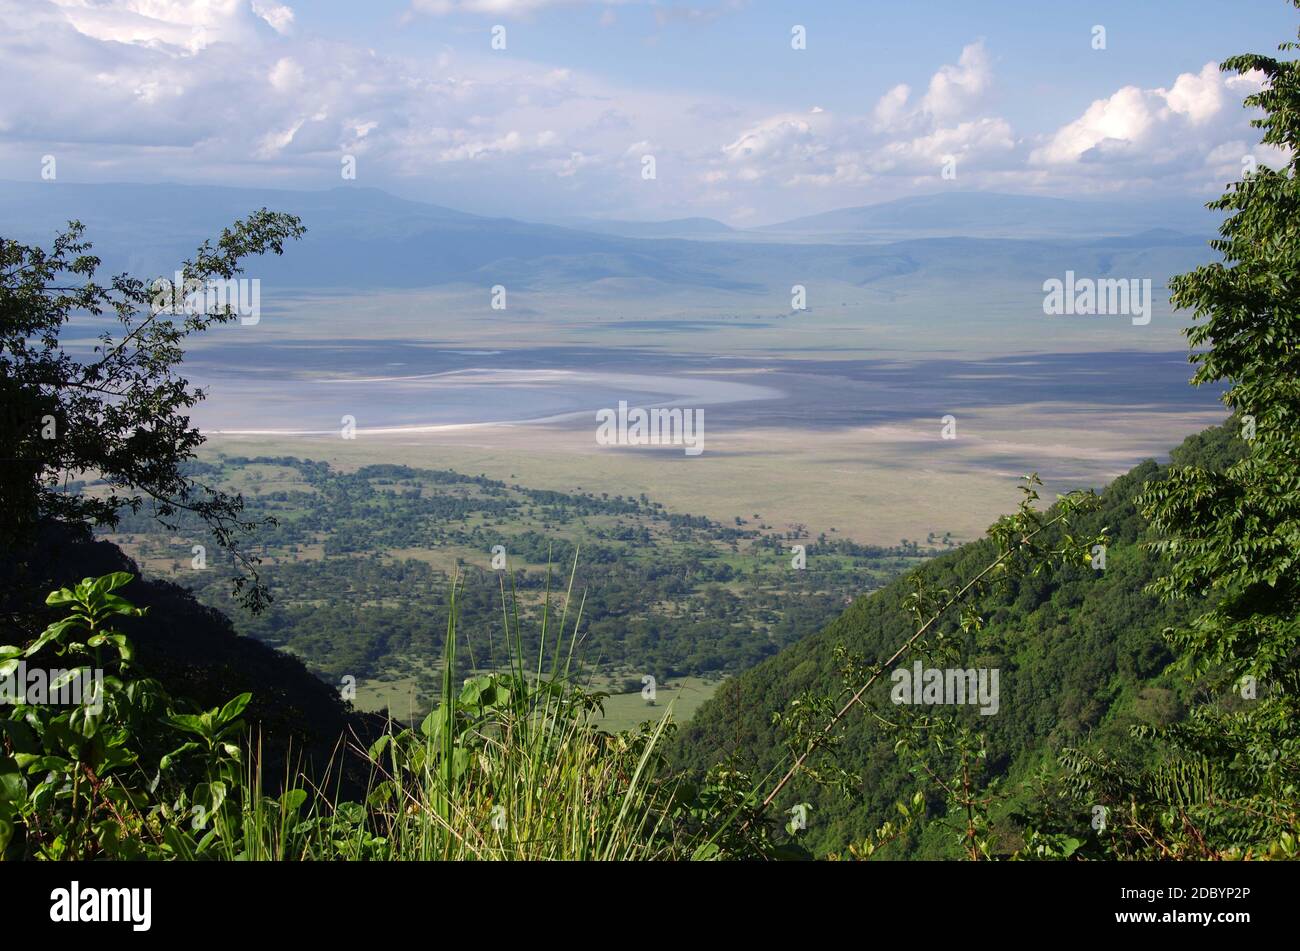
(360, 563)
(874, 484)
(405, 697)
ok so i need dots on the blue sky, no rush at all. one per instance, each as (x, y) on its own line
(1045, 60)
(885, 100)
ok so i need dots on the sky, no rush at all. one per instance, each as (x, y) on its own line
(748, 112)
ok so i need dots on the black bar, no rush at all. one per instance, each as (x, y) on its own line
(335, 900)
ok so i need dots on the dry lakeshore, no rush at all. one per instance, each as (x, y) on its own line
(869, 484)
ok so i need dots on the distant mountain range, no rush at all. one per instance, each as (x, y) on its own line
(672, 228)
(987, 214)
(364, 238)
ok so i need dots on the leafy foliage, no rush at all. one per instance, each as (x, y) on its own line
(510, 766)
(121, 410)
(123, 772)
(1081, 656)
(1225, 782)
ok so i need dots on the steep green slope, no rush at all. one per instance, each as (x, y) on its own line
(1080, 654)
(194, 651)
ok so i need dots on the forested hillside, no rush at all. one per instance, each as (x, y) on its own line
(1081, 658)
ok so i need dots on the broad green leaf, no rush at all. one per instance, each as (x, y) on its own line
(234, 707)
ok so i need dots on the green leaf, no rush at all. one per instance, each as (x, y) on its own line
(118, 579)
(167, 760)
(189, 722)
(377, 748)
(67, 677)
(708, 852)
(460, 758)
(123, 645)
(53, 633)
(234, 707)
(62, 596)
(12, 787)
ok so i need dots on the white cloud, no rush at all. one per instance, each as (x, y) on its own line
(576, 162)
(779, 137)
(1199, 97)
(1138, 134)
(497, 7)
(1121, 121)
(286, 74)
(956, 89)
(273, 143)
(891, 111)
(1192, 116)
(189, 25)
(277, 15)
(899, 138)
(234, 91)
(974, 139)
(955, 92)
(464, 148)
